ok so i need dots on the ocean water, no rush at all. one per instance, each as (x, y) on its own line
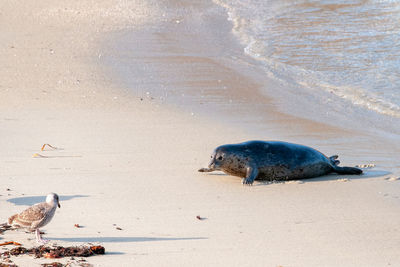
(348, 48)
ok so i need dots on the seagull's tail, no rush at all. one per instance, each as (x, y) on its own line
(11, 219)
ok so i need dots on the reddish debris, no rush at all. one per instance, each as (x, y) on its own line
(97, 249)
(50, 255)
(16, 251)
(56, 252)
(53, 264)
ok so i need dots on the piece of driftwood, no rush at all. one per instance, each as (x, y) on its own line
(10, 243)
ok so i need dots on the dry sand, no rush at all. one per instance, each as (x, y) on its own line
(127, 160)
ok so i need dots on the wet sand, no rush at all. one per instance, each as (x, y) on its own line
(136, 104)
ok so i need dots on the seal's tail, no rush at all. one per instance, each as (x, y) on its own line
(347, 170)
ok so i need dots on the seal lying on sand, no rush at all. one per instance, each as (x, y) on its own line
(273, 160)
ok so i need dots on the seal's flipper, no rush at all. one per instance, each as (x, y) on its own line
(205, 170)
(334, 160)
(347, 170)
(251, 175)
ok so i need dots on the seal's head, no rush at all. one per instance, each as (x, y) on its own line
(224, 158)
(217, 159)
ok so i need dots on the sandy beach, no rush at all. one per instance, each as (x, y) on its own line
(135, 96)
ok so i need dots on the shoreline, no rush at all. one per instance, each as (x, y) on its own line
(338, 103)
(174, 69)
(132, 163)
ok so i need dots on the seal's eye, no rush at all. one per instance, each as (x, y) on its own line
(220, 158)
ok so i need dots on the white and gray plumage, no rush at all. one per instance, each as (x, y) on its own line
(36, 216)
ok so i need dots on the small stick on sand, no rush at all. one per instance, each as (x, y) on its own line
(37, 155)
(200, 218)
(44, 146)
(10, 243)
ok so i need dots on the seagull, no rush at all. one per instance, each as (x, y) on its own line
(36, 216)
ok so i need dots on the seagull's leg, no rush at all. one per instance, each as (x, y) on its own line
(39, 239)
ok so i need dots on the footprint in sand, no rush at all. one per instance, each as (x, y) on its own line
(366, 166)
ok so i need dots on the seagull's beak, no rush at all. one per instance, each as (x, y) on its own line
(59, 205)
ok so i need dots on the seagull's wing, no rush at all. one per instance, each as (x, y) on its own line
(30, 215)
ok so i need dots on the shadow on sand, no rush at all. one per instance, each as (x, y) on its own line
(368, 174)
(124, 239)
(217, 173)
(29, 201)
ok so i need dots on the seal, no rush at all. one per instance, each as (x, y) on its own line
(273, 160)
